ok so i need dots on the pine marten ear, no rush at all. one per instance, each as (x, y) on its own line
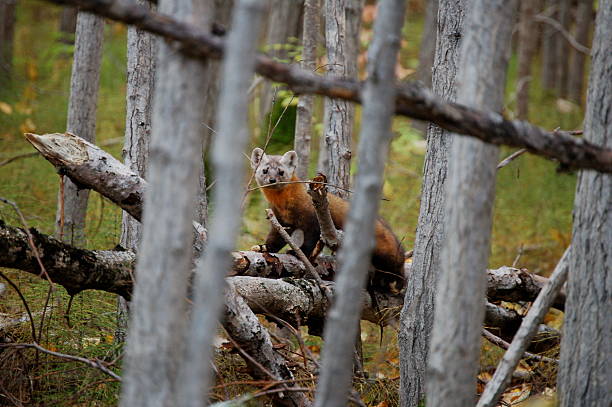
(290, 160)
(256, 157)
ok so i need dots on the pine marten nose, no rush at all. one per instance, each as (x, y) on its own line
(272, 180)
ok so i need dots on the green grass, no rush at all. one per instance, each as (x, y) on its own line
(532, 207)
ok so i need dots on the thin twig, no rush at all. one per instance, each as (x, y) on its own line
(95, 363)
(511, 158)
(496, 340)
(24, 301)
(557, 26)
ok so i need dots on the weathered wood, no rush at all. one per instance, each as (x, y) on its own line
(585, 371)
(158, 313)
(82, 105)
(412, 100)
(228, 164)
(503, 374)
(418, 311)
(455, 340)
(303, 121)
(330, 236)
(379, 94)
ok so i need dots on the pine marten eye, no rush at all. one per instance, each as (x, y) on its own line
(265, 170)
(281, 173)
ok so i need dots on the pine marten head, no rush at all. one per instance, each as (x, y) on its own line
(272, 169)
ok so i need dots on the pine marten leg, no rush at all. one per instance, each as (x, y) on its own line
(274, 241)
(311, 237)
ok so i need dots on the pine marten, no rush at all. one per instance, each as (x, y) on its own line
(294, 210)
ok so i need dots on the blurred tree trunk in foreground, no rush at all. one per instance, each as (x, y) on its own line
(418, 311)
(585, 371)
(141, 47)
(303, 124)
(82, 106)
(7, 37)
(342, 321)
(455, 342)
(159, 310)
(527, 47)
(584, 22)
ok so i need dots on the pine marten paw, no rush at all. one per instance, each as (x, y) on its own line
(261, 248)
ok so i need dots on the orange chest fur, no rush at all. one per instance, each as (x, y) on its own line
(289, 203)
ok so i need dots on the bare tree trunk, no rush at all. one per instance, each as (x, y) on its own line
(585, 375)
(303, 124)
(427, 51)
(584, 19)
(283, 23)
(238, 67)
(7, 37)
(159, 310)
(141, 47)
(455, 342)
(72, 204)
(549, 47)
(563, 55)
(418, 311)
(375, 136)
(527, 48)
(341, 33)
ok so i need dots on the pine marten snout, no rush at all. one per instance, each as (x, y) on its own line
(293, 208)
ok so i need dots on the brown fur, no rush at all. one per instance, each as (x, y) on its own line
(294, 209)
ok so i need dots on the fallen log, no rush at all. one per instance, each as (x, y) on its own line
(412, 99)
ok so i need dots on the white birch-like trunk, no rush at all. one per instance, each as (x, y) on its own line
(141, 47)
(585, 371)
(70, 218)
(418, 311)
(455, 343)
(303, 122)
(342, 19)
(155, 343)
(227, 155)
(354, 257)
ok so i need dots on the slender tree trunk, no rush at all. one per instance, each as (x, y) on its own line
(303, 124)
(455, 342)
(72, 204)
(563, 47)
(549, 47)
(584, 19)
(354, 257)
(283, 23)
(238, 67)
(418, 311)
(585, 371)
(141, 47)
(527, 48)
(67, 26)
(7, 37)
(159, 309)
(341, 39)
(427, 51)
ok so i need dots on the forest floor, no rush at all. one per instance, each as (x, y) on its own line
(532, 212)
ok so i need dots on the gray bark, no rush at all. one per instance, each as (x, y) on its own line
(303, 123)
(341, 39)
(584, 22)
(375, 136)
(7, 37)
(549, 47)
(455, 342)
(585, 371)
(141, 47)
(283, 23)
(72, 206)
(418, 311)
(158, 317)
(503, 374)
(527, 47)
(562, 58)
(238, 68)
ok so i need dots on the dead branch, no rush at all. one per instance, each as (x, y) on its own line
(413, 99)
(318, 193)
(496, 340)
(511, 158)
(569, 37)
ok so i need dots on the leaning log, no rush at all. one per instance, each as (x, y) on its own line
(412, 100)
